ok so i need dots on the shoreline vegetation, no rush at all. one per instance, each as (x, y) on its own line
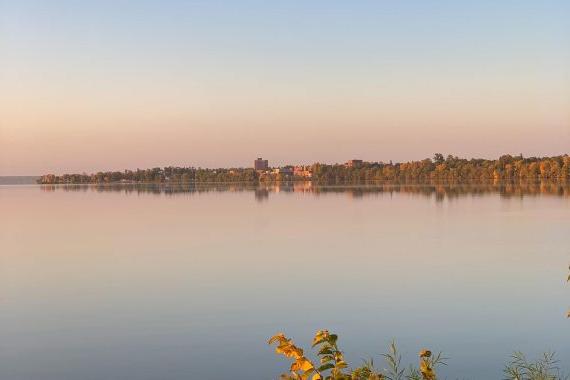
(438, 168)
(331, 364)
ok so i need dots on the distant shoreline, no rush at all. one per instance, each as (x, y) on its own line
(451, 168)
(19, 179)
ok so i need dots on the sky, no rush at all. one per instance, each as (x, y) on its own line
(125, 84)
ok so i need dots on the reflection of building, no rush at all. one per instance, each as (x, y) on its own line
(260, 164)
(302, 186)
(353, 163)
(261, 194)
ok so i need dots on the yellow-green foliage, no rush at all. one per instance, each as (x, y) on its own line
(332, 366)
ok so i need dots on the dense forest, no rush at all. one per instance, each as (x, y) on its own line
(439, 168)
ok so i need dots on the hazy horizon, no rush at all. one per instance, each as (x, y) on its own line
(120, 85)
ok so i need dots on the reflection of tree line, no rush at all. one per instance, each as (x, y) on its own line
(262, 191)
(155, 188)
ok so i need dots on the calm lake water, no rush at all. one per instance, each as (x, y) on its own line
(188, 283)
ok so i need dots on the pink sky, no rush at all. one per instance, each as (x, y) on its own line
(79, 94)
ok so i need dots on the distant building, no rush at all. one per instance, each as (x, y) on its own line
(302, 171)
(353, 163)
(260, 164)
(286, 170)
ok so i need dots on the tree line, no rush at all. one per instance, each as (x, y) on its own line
(155, 175)
(450, 168)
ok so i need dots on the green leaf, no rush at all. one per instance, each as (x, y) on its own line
(324, 367)
(341, 364)
(326, 358)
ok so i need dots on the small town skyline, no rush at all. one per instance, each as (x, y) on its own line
(263, 163)
(438, 167)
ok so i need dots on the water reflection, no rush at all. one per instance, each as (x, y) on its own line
(262, 192)
(172, 281)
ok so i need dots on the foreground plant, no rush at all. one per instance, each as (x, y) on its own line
(302, 367)
(332, 365)
(545, 368)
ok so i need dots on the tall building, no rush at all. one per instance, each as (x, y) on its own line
(260, 164)
(353, 163)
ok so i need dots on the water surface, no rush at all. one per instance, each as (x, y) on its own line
(188, 282)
